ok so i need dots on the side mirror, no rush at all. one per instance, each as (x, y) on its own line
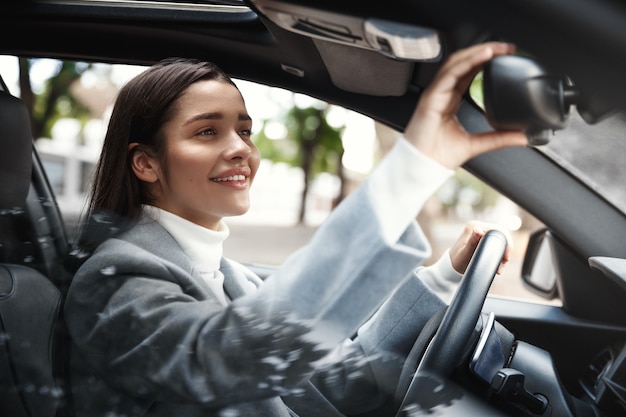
(520, 94)
(539, 270)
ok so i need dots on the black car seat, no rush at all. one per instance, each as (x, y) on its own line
(33, 354)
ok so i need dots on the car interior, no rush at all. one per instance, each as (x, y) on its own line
(33, 351)
(567, 359)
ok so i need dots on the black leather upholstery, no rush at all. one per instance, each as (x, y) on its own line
(15, 177)
(15, 152)
(33, 341)
(29, 310)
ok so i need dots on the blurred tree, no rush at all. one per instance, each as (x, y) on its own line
(55, 101)
(476, 90)
(311, 144)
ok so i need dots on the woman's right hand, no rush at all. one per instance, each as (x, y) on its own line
(434, 129)
(463, 248)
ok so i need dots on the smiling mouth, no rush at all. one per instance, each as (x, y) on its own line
(229, 178)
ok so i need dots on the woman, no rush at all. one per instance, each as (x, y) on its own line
(163, 325)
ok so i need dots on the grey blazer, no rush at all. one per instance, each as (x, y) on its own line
(325, 335)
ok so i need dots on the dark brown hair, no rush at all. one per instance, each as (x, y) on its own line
(142, 107)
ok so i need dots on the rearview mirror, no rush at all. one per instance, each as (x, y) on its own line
(520, 94)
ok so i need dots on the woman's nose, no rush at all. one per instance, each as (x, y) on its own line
(238, 147)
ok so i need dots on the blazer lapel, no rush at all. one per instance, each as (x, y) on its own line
(238, 281)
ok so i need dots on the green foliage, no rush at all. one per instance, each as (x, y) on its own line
(276, 150)
(476, 90)
(310, 130)
(55, 101)
(310, 141)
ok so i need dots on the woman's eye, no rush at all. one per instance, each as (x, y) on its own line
(207, 132)
(245, 132)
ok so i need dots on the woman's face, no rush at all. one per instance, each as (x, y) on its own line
(210, 156)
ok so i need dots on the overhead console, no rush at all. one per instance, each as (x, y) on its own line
(362, 55)
(393, 39)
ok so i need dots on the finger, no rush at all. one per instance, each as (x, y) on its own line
(501, 268)
(479, 229)
(466, 63)
(475, 237)
(456, 74)
(491, 141)
(480, 53)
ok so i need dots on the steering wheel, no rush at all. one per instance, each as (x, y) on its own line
(448, 344)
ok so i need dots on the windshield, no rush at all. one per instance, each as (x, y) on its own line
(594, 154)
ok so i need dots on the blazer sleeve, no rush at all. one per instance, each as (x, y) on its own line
(364, 371)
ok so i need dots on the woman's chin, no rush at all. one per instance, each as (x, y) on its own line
(238, 211)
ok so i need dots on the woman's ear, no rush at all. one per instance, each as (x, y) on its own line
(145, 167)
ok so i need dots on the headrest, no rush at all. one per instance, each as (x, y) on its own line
(16, 147)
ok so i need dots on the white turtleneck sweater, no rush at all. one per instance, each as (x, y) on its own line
(205, 246)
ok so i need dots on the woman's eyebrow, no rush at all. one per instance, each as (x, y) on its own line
(216, 116)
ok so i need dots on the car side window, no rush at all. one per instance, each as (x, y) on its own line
(70, 154)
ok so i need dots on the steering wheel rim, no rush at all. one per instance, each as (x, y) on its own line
(448, 344)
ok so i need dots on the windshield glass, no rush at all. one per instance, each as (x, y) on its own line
(594, 154)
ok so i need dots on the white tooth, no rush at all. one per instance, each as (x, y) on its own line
(230, 178)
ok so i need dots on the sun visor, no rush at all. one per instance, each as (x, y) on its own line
(363, 71)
